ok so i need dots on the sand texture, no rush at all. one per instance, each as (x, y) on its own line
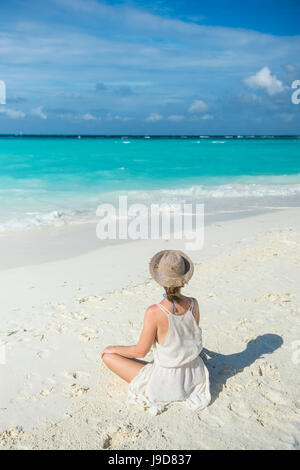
(56, 394)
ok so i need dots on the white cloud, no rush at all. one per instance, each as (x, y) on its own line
(154, 117)
(198, 106)
(175, 117)
(12, 113)
(112, 117)
(147, 49)
(39, 112)
(126, 118)
(89, 117)
(206, 117)
(264, 80)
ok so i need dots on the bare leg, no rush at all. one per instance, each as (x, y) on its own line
(125, 368)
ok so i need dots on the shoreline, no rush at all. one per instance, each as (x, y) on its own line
(71, 240)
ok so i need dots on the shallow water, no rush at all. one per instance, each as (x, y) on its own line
(55, 180)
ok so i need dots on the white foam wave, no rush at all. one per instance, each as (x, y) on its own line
(236, 191)
(54, 218)
(193, 194)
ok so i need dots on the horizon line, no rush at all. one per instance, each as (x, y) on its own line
(124, 136)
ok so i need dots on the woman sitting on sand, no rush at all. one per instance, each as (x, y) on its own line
(177, 373)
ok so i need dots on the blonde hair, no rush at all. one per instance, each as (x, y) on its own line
(173, 293)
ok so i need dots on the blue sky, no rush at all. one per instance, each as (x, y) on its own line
(150, 67)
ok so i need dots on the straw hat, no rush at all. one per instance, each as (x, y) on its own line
(171, 268)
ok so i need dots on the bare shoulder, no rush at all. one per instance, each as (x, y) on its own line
(152, 309)
(155, 316)
(195, 301)
(196, 309)
(151, 313)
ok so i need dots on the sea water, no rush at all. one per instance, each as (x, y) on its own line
(48, 181)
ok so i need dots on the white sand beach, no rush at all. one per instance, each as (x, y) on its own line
(75, 297)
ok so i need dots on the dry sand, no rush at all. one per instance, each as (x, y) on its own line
(57, 316)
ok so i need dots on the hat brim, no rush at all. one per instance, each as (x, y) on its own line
(167, 281)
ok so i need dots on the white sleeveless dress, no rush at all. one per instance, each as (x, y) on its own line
(177, 373)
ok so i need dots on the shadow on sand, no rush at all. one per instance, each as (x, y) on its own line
(222, 367)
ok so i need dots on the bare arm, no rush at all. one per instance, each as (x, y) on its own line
(196, 311)
(147, 338)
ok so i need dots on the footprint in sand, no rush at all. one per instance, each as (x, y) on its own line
(74, 390)
(274, 396)
(78, 316)
(281, 298)
(123, 435)
(76, 375)
(240, 409)
(90, 299)
(88, 336)
(266, 369)
(11, 435)
(234, 389)
(71, 316)
(46, 392)
(243, 324)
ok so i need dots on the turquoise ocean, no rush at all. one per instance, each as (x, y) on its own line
(47, 180)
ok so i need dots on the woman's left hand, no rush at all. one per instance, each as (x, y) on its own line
(108, 350)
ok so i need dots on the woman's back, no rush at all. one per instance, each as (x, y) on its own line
(177, 373)
(182, 342)
(181, 309)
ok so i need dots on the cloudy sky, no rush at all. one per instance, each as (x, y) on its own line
(150, 67)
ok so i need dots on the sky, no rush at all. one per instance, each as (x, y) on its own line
(188, 67)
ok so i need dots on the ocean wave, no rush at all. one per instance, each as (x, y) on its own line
(193, 194)
(236, 191)
(54, 218)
